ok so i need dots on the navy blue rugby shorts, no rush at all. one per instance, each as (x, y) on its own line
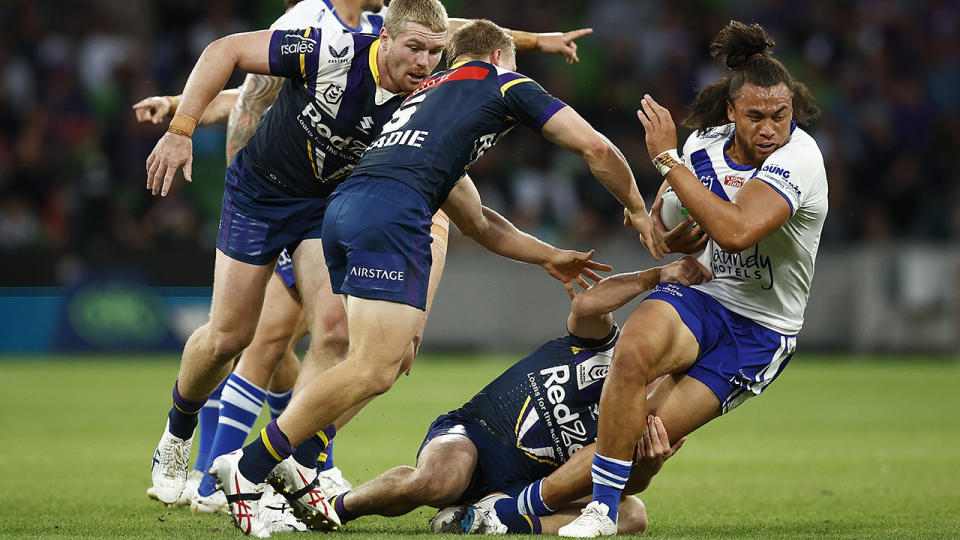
(500, 466)
(257, 221)
(377, 241)
(738, 357)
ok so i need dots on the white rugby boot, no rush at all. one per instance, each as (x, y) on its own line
(299, 485)
(171, 460)
(592, 522)
(215, 503)
(479, 518)
(332, 482)
(275, 513)
(241, 494)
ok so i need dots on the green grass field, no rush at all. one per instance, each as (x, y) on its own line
(865, 448)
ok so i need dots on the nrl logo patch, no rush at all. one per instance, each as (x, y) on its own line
(333, 94)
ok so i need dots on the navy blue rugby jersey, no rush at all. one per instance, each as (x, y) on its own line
(547, 403)
(449, 122)
(328, 110)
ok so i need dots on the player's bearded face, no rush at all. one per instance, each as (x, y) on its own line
(762, 116)
(412, 55)
(372, 5)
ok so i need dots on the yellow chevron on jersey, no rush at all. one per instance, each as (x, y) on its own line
(303, 62)
(504, 88)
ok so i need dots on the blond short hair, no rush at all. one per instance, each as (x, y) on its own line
(429, 13)
(478, 39)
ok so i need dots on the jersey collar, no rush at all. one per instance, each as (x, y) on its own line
(382, 95)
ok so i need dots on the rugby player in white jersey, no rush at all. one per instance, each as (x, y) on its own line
(756, 185)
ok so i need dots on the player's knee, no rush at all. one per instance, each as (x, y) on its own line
(331, 337)
(431, 487)
(375, 382)
(632, 360)
(632, 516)
(227, 345)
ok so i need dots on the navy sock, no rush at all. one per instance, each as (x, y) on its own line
(308, 452)
(609, 478)
(263, 454)
(516, 522)
(326, 458)
(340, 509)
(209, 416)
(183, 415)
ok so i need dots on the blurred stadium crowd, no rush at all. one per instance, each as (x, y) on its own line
(886, 75)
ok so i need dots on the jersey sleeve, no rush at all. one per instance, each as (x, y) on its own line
(793, 171)
(295, 54)
(527, 101)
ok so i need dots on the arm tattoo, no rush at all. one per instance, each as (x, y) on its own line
(257, 94)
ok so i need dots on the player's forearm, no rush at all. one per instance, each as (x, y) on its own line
(615, 291)
(721, 220)
(500, 236)
(219, 109)
(523, 41)
(609, 166)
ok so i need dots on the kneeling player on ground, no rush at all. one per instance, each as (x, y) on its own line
(524, 425)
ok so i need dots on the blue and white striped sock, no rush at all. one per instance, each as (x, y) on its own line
(609, 478)
(530, 501)
(278, 402)
(240, 404)
(209, 415)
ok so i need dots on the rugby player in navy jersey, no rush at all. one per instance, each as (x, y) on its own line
(376, 231)
(343, 87)
(524, 424)
(282, 322)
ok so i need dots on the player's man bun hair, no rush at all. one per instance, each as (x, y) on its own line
(745, 51)
(737, 43)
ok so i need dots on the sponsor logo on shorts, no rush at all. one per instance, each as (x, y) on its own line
(376, 271)
(671, 289)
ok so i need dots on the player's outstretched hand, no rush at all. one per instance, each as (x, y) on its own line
(568, 266)
(649, 234)
(562, 43)
(658, 124)
(171, 152)
(686, 271)
(152, 109)
(683, 238)
(654, 447)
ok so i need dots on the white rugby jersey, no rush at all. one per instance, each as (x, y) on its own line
(321, 14)
(770, 281)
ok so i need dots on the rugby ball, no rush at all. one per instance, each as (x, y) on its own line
(672, 212)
